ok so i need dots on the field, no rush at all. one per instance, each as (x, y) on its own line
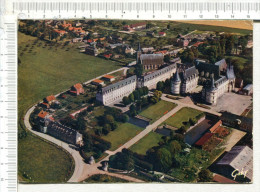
(41, 162)
(156, 111)
(146, 143)
(238, 24)
(181, 116)
(104, 179)
(41, 72)
(121, 135)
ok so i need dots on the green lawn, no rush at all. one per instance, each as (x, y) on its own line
(121, 135)
(156, 111)
(182, 115)
(43, 162)
(45, 71)
(146, 143)
(104, 179)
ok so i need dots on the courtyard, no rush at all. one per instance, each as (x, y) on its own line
(233, 103)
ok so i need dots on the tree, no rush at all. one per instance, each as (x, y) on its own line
(109, 119)
(81, 122)
(163, 159)
(160, 86)
(174, 147)
(133, 110)
(131, 98)
(145, 90)
(205, 176)
(136, 95)
(157, 94)
(106, 129)
(167, 58)
(126, 100)
(140, 91)
(125, 118)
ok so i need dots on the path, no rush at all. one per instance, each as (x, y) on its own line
(190, 105)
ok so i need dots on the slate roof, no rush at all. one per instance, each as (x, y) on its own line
(239, 157)
(187, 73)
(221, 62)
(151, 56)
(159, 72)
(119, 84)
(176, 77)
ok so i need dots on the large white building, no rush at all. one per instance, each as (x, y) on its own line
(115, 92)
(185, 82)
(219, 87)
(151, 80)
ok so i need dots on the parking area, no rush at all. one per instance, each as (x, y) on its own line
(233, 103)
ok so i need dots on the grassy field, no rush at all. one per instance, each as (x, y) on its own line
(156, 111)
(41, 162)
(104, 179)
(43, 71)
(121, 135)
(181, 116)
(146, 143)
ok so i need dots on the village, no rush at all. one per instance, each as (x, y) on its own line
(178, 110)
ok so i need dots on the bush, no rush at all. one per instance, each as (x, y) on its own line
(143, 164)
(100, 140)
(125, 118)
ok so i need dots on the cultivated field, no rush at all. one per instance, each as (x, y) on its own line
(156, 111)
(239, 24)
(147, 142)
(181, 116)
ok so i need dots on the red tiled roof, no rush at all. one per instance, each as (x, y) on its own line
(42, 114)
(197, 44)
(78, 86)
(137, 24)
(204, 139)
(59, 31)
(162, 33)
(221, 179)
(109, 76)
(98, 81)
(50, 98)
(214, 127)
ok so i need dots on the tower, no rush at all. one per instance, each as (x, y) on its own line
(176, 84)
(211, 96)
(138, 53)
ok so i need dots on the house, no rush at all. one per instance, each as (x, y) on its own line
(77, 89)
(109, 78)
(108, 56)
(197, 44)
(76, 40)
(247, 90)
(60, 32)
(98, 82)
(238, 160)
(50, 99)
(129, 50)
(43, 115)
(164, 52)
(92, 50)
(45, 105)
(63, 133)
(136, 26)
(204, 139)
(150, 33)
(162, 34)
(236, 121)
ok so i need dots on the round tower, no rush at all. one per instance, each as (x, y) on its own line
(211, 96)
(176, 84)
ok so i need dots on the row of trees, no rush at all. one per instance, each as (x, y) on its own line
(135, 96)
